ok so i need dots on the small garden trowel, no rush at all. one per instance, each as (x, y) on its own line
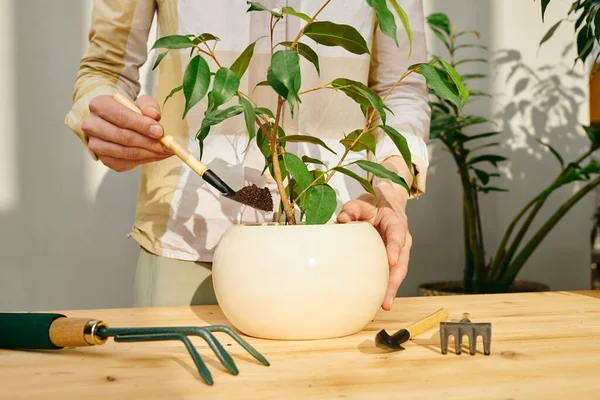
(393, 342)
(252, 196)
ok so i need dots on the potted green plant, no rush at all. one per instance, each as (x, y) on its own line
(283, 280)
(477, 169)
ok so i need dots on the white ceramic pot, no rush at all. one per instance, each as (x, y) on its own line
(300, 282)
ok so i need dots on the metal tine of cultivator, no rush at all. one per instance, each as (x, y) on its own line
(181, 333)
(241, 342)
(202, 369)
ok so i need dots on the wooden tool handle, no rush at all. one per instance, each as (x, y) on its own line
(169, 141)
(75, 332)
(39, 331)
(428, 322)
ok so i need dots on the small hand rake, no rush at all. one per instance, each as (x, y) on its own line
(42, 331)
(468, 328)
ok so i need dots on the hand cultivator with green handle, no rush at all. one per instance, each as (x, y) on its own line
(44, 331)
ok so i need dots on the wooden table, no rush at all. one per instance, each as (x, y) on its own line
(544, 345)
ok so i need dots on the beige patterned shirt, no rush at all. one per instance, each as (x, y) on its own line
(178, 215)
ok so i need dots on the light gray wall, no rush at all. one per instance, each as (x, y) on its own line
(64, 219)
(59, 247)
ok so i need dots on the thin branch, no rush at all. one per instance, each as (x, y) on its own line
(315, 89)
(289, 210)
(295, 42)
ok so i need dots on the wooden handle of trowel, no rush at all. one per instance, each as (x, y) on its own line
(169, 141)
(428, 322)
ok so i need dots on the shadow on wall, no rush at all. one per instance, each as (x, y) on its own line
(528, 103)
(544, 105)
(59, 249)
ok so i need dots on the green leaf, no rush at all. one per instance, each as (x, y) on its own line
(382, 172)
(544, 6)
(330, 34)
(318, 175)
(196, 80)
(474, 93)
(554, 152)
(225, 86)
(594, 135)
(177, 89)
(466, 46)
(468, 77)
(491, 158)
(291, 11)
(439, 107)
(240, 65)
(585, 43)
(439, 21)
(405, 22)
(362, 94)
(366, 142)
(204, 37)
(254, 6)
(363, 182)
(550, 32)
(440, 35)
(385, 18)
(481, 136)
(483, 176)
(306, 52)
(597, 25)
(401, 144)
(212, 118)
(173, 42)
(322, 203)
(159, 59)
(471, 60)
(437, 80)
(455, 76)
(264, 110)
(249, 117)
(311, 160)
(485, 146)
(304, 139)
(284, 76)
(298, 170)
(265, 148)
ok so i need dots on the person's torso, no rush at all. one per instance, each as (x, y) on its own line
(180, 214)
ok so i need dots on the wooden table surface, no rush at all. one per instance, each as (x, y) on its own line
(544, 346)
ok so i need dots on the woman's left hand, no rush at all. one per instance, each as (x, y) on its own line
(391, 223)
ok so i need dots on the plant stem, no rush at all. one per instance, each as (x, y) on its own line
(295, 42)
(478, 226)
(473, 245)
(315, 89)
(209, 53)
(513, 270)
(501, 264)
(272, 29)
(287, 207)
(452, 49)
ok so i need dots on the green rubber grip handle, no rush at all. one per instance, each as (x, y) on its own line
(27, 331)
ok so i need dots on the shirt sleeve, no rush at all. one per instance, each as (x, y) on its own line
(117, 49)
(409, 100)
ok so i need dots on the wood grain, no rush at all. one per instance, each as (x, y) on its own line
(544, 346)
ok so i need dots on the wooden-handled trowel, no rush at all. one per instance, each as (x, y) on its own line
(252, 196)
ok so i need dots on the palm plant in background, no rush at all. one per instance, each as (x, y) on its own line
(478, 170)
